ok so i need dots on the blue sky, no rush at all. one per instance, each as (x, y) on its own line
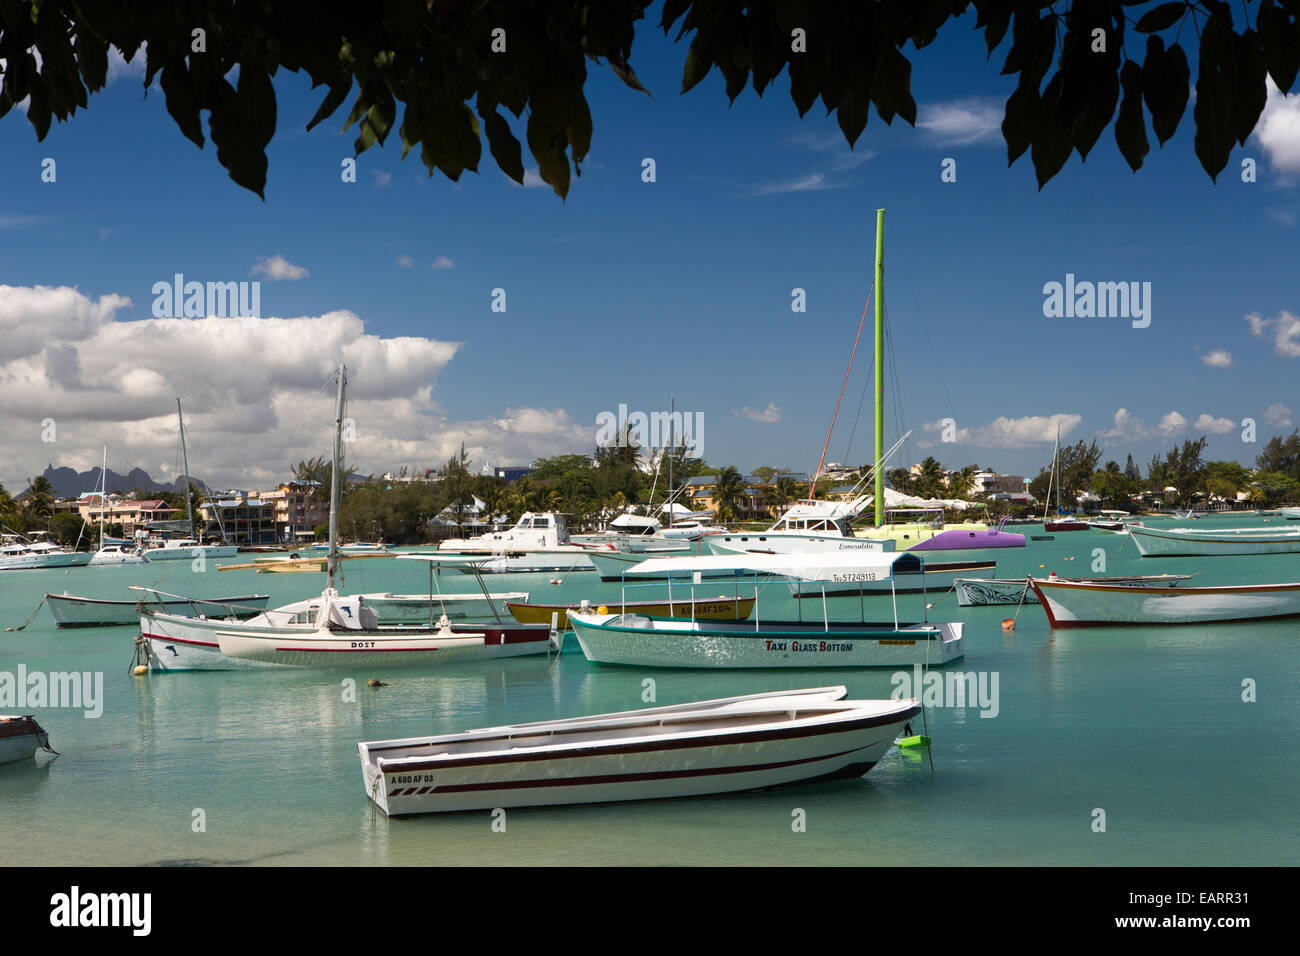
(632, 291)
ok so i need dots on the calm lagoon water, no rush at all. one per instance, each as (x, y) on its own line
(1146, 724)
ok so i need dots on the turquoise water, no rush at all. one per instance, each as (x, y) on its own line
(1146, 724)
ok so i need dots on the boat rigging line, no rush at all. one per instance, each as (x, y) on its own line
(812, 486)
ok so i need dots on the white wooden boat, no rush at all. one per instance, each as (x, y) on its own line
(1082, 604)
(20, 738)
(69, 610)
(979, 592)
(335, 644)
(685, 750)
(1182, 542)
(187, 549)
(639, 640)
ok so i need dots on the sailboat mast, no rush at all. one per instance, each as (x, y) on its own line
(189, 508)
(336, 484)
(672, 450)
(103, 490)
(880, 366)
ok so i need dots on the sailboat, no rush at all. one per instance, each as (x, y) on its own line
(187, 549)
(331, 631)
(1064, 522)
(118, 553)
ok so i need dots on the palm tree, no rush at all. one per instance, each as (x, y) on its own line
(6, 502)
(40, 496)
(961, 482)
(728, 490)
(929, 483)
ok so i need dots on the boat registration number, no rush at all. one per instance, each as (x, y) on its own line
(854, 576)
(408, 778)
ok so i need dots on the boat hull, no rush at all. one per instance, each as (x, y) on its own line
(209, 553)
(35, 562)
(660, 642)
(20, 738)
(647, 767)
(982, 592)
(936, 578)
(1161, 542)
(414, 608)
(326, 648)
(1095, 605)
(71, 611)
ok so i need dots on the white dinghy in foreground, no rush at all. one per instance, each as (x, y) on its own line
(686, 750)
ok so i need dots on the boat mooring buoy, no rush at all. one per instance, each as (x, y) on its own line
(1009, 624)
(919, 740)
(140, 670)
(375, 682)
(602, 610)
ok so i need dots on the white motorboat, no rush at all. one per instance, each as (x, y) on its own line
(111, 554)
(537, 542)
(684, 750)
(1184, 542)
(69, 610)
(20, 738)
(1083, 604)
(1290, 514)
(979, 592)
(639, 640)
(187, 549)
(39, 555)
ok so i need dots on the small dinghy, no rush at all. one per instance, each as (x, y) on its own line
(684, 750)
(20, 738)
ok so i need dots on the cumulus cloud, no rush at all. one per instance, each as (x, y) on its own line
(1210, 425)
(1278, 414)
(1278, 129)
(962, 122)
(1172, 424)
(770, 414)
(278, 267)
(1219, 358)
(1284, 328)
(1006, 432)
(255, 400)
(442, 262)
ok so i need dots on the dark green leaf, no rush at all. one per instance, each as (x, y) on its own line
(505, 148)
(891, 88)
(1130, 128)
(1213, 112)
(1281, 43)
(1166, 81)
(1018, 122)
(1251, 90)
(175, 81)
(1160, 18)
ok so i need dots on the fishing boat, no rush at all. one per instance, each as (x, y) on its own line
(70, 610)
(720, 608)
(640, 640)
(1084, 604)
(981, 592)
(684, 750)
(20, 738)
(1180, 542)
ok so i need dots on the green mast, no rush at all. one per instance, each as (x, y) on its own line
(880, 366)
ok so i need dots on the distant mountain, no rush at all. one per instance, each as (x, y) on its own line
(68, 482)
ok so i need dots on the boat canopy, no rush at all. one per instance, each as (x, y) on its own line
(832, 566)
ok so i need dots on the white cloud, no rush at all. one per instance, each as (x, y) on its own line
(382, 178)
(770, 414)
(962, 122)
(278, 267)
(1172, 424)
(442, 262)
(532, 178)
(405, 262)
(1278, 129)
(1006, 432)
(1210, 425)
(1219, 358)
(118, 67)
(255, 400)
(1278, 414)
(838, 152)
(813, 181)
(1285, 329)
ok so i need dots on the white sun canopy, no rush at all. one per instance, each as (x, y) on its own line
(833, 566)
